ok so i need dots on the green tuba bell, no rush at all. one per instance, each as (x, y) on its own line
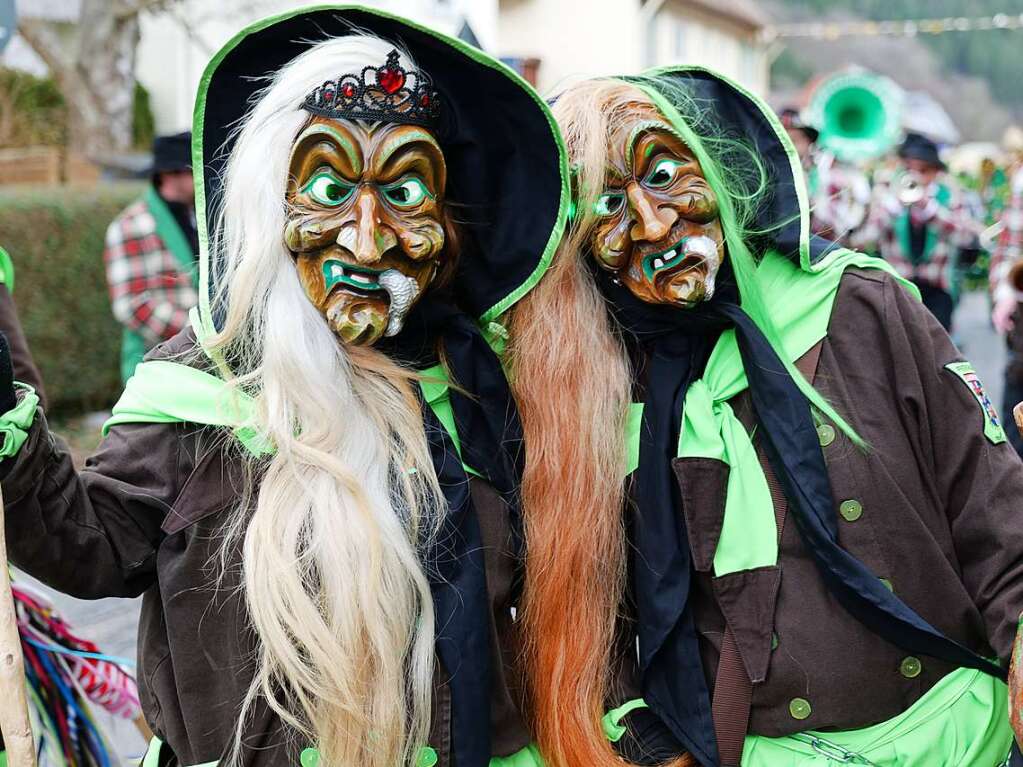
(858, 114)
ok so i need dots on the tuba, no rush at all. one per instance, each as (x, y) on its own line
(858, 114)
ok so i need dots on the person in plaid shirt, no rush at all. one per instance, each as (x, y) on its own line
(150, 255)
(922, 238)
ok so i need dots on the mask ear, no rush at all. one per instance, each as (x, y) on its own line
(453, 243)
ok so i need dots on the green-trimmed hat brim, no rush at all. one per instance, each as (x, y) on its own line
(506, 162)
(783, 216)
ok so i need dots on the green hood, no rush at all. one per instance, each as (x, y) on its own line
(505, 158)
(782, 217)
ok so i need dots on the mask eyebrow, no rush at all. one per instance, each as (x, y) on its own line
(394, 143)
(660, 126)
(345, 143)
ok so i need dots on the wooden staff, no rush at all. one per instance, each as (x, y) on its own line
(15, 722)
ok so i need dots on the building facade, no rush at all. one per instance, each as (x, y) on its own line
(573, 39)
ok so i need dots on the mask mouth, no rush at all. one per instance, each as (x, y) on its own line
(356, 279)
(688, 253)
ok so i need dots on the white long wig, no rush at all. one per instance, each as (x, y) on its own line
(332, 527)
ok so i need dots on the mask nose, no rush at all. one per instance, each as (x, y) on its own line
(372, 238)
(652, 223)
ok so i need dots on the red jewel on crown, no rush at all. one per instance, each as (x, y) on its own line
(388, 93)
(390, 79)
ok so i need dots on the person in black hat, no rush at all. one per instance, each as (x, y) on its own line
(921, 224)
(150, 254)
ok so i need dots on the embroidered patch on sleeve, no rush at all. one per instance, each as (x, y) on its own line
(992, 423)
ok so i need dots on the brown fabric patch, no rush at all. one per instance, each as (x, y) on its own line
(703, 484)
(748, 598)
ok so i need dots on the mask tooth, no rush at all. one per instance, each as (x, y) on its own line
(402, 291)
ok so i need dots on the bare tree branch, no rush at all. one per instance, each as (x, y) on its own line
(126, 9)
(47, 43)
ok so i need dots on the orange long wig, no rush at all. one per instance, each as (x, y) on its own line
(573, 383)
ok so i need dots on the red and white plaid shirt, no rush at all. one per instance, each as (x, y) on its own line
(150, 292)
(952, 225)
(1009, 246)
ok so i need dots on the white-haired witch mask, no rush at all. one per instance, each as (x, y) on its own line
(658, 229)
(366, 199)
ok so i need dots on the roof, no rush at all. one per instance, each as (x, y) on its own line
(743, 12)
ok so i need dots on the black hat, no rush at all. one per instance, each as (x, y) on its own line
(792, 119)
(171, 153)
(918, 147)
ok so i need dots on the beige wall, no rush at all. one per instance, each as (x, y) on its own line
(583, 38)
(177, 45)
(686, 35)
(573, 38)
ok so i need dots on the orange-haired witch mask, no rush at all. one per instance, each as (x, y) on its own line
(658, 230)
(366, 200)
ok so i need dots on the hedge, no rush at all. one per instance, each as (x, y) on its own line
(55, 238)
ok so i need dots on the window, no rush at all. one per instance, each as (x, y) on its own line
(680, 47)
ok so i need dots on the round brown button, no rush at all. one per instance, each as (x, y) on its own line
(799, 708)
(826, 434)
(910, 667)
(851, 510)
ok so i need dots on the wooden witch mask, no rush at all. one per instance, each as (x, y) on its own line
(658, 229)
(366, 221)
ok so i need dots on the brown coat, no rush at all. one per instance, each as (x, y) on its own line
(146, 517)
(936, 514)
(25, 370)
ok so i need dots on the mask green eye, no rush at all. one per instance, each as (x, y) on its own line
(662, 174)
(609, 203)
(326, 189)
(407, 193)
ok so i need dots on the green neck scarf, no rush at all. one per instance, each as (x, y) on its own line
(801, 304)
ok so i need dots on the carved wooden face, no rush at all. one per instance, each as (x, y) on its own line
(365, 221)
(657, 227)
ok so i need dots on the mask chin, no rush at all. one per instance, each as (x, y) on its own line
(357, 322)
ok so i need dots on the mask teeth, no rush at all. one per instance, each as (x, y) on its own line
(402, 291)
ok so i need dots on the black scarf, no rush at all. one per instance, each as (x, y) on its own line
(490, 435)
(673, 680)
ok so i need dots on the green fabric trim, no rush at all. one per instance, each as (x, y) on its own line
(168, 230)
(169, 392)
(6, 272)
(612, 721)
(771, 118)
(801, 310)
(15, 423)
(198, 162)
(633, 429)
(310, 757)
(527, 757)
(960, 722)
(437, 392)
(992, 423)
(801, 304)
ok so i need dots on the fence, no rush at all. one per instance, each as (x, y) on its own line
(45, 165)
